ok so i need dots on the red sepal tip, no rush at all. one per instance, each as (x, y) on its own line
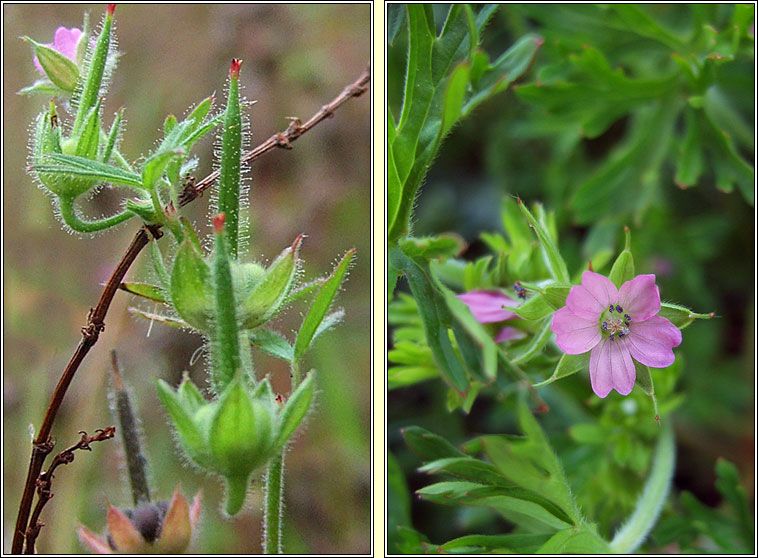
(234, 71)
(110, 9)
(219, 221)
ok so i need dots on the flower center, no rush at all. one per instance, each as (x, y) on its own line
(615, 322)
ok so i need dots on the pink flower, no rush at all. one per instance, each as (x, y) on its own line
(65, 42)
(616, 325)
(492, 306)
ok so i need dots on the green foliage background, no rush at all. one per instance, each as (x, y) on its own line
(615, 124)
(296, 58)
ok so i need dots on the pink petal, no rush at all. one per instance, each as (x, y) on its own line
(592, 297)
(640, 298)
(93, 542)
(487, 306)
(651, 342)
(66, 41)
(509, 333)
(573, 334)
(611, 367)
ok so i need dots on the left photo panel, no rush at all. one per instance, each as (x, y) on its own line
(187, 278)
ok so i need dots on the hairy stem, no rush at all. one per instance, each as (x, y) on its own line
(68, 213)
(272, 520)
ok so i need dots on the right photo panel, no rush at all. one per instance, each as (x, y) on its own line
(570, 278)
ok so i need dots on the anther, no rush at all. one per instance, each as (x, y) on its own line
(605, 326)
(612, 334)
(627, 318)
(610, 308)
(619, 309)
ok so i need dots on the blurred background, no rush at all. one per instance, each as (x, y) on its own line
(699, 241)
(296, 59)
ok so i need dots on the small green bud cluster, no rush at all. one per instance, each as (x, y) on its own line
(70, 161)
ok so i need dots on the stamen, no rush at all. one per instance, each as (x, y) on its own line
(610, 308)
(605, 326)
(627, 318)
(612, 334)
(619, 309)
(621, 334)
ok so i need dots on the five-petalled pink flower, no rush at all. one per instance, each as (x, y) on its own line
(492, 306)
(616, 325)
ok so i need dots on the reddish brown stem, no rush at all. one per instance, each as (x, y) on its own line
(43, 444)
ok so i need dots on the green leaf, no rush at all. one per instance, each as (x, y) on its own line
(573, 541)
(728, 484)
(295, 409)
(94, 170)
(494, 544)
(150, 292)
(169, 124)
(589, 433)
(156, 165)
(159, 266)
(398, 503)
(436, 318)
(536, 344)
(446, 245)
(272, 343)
(320, 306)
(428, 445)
(552, 257)
(113, 136)
(690, 162)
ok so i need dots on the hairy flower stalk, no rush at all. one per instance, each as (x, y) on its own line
(616, 325)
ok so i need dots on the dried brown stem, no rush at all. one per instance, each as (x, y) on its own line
(43, 445)
(45, 481)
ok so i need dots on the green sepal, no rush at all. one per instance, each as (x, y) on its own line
(150, 292)
(267, 297)
(159, 266)
(191, 437)
(152, 317)
(89, 140)
(241, 432)
(169, 124)
(199, 113)
(567, 365)
(535, 308)
(320, 306)
(623, 268)
(95, 71)
(295, 410)
(113, 135)
(556, 294)
(681, 316)
(189, 396)
(61, 71)
(44, 87)
(191, 288)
